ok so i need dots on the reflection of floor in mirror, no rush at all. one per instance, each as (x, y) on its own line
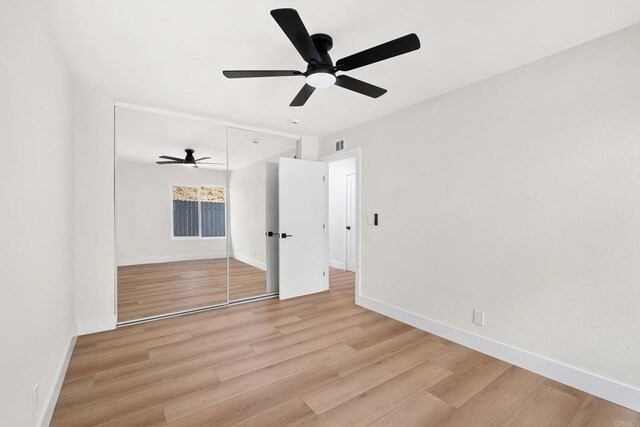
(245, 280)
(153, 289)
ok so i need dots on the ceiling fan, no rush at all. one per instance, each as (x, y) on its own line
(188, 160)
(321, 73)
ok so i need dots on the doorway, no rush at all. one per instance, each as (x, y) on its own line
(343, 234)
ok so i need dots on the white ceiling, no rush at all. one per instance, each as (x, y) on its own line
(171, 53)
(143, 136)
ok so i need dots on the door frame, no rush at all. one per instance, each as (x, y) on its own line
(333, 157)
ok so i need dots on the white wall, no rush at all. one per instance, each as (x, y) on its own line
(144, 204)
(338, 172)
(518, 195)
(37, 211)
(95, 190)
(309, 146)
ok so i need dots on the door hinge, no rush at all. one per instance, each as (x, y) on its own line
(323, 226)
(323, 274)
(322, 178)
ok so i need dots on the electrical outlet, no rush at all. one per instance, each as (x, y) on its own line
(36, 398)
(478, 317)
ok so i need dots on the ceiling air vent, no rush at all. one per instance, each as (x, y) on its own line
(340, 145)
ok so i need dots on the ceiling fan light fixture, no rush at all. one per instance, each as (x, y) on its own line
(321, 79)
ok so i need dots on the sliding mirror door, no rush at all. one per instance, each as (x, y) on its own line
(171, 218)
(253, 211)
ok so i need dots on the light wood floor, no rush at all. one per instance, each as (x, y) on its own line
(314, 360)
(152, 289)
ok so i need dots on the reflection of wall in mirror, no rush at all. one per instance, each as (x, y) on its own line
(144, 213)
(247, 211)
(338, 172)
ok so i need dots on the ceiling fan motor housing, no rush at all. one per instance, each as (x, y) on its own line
(189, 159)
(323, 43)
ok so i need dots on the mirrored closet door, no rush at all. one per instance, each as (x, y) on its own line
(171, 214)
(196, 213)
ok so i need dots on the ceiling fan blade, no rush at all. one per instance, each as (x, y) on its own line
(209, 163)
(387, 50)
(172, 162)
(360, 86)
(302, 96)
(177, 159)
(202, 158)
(292, 25)
(240, 74)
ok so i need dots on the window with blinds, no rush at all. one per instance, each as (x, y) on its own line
(198, 211)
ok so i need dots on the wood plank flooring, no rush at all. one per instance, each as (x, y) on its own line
(152, 289)
(316, 360)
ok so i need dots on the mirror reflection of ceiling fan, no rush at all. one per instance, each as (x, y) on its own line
(189, 159)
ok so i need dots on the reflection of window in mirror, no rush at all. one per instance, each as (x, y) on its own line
(198, 212)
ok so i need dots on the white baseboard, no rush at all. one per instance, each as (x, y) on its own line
(168, 258)
(255, 263)
(606, 388)
(96, 324)
(337, 264)
(52, 397)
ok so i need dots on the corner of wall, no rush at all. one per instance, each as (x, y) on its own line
(95, 324)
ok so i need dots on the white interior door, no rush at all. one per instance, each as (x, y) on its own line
(302, 193)
(351, 222)
(271, 223)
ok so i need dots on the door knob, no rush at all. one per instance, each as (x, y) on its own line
(285, 235)
(271, 233)
(348, 227)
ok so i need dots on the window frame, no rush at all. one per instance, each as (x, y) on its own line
(199, 236)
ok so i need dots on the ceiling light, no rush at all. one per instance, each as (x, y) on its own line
(321, 80)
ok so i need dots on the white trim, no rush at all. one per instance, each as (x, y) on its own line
(252, 262)
(139, 107)
(337, 264)
(344, 154)
(54, 392)
(606, 388)
(168, 258)
(96, 324)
